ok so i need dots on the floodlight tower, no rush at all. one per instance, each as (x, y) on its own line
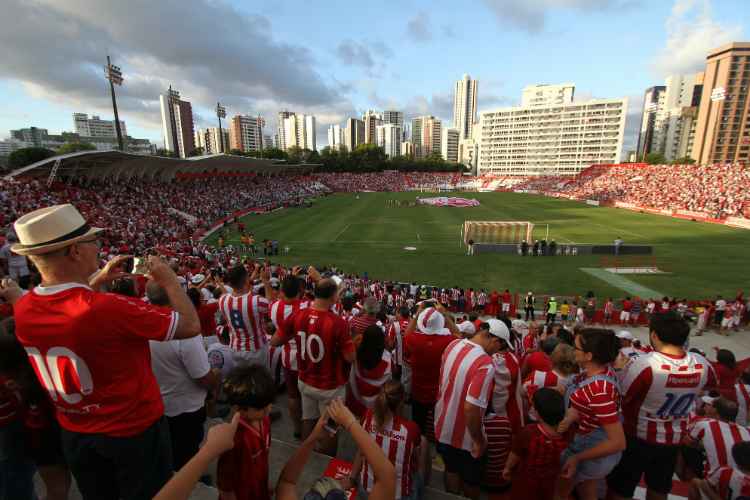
(114, 75)
(221, 112)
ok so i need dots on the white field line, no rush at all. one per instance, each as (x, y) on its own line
(342, 232)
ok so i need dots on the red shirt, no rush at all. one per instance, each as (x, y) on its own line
(90, 351)
(539, 451)
(207, 315)
(424, 353)
(596, 402)
(243, 470)
(727, 378)
(506, 298)
(322, 339)
(539, 361)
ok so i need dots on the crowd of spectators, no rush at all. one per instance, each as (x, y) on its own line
(718, 190)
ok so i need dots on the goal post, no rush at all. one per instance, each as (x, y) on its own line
(497, 231)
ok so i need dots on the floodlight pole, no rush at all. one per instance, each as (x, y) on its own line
(221, 112)
(114, 75)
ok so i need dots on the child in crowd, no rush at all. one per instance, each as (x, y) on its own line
(242, 472)
(727, 483)
(534, 461)
(499, 434)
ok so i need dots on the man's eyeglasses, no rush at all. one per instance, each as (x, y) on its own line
(95, 241)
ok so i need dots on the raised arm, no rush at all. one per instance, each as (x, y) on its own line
(189, 324)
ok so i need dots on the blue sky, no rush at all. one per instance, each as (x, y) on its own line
(336, 59)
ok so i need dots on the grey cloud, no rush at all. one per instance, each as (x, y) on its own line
(418, 28)
(354, 53)
(530, 15)
(447, 31)
(57, 50)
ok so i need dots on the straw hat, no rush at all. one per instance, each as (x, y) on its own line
(51, 228)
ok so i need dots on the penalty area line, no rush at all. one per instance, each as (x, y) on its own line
(342, 232)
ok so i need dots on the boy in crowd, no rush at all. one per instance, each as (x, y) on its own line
(536, 450)
(727, 483)
(242, 472)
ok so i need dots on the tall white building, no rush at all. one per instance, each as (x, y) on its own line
(297, 130)
(177, 123)
(335, 137)
(389, 138)
(246, 133)
(394, 117)
(557, 139)
(372, 120)
(465, 106)
(95, 126)
(547, 95)
(210, 141)
(449, 144)
(354, 134)
(280, 129)
(426, 134)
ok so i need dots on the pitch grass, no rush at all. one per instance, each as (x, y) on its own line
(359, 235)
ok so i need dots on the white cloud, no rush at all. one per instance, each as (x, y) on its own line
(691, 34)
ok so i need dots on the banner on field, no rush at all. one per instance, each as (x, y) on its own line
(740, 222)
(592, 202)
(444, 201)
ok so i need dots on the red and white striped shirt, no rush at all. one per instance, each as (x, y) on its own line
(717, 438)
(364, 384)
(506, 396)
(281, 312)
(246, 317)
(659, 392)
(466, 375)
(395, 337)
(499, 436)
(597, 402)
(742, 395)
(730, 483)
(399, 439)
(539, 379)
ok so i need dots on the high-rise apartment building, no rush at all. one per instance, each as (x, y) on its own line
(394, 117)
(426, 134)
(543, 95)
(449, 144)
(652, 118)
(371, 120)
(354, 134)
(559, 139)
(209, 140)
(268, 142)
(95, 126)
(31, 135)
(722, 131)
(177, 123)
(465, 106)
(297, 130)
(681, 101)
(246, 133)
(407, 149)
(335, 137)
(389, 138)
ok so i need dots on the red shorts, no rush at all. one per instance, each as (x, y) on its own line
(291, 384)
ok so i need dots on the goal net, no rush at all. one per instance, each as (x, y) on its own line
(497, 231)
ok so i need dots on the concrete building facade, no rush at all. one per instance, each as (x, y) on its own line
(177, 123)
(372, 120)
(335, 137)
(209, 140)
(354, 134)
(95, 126)
(465, 106)
(543, 95)
(449, 144)
(394, 117)
(246, 133)
(554, 139)
(426, 132)
(722, 131)
(389, 138)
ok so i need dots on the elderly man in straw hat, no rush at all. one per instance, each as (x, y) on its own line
(90, 351)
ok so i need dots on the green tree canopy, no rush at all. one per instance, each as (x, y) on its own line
(26, 156)
(655, 159)
(72, 147)
(685, 160)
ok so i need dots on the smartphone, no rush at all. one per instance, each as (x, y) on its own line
(128, 265)
(331, 426)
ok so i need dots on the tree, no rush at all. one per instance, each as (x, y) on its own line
(294, 154)
(686, 160)
(72, 147)
(26, 156)
(196, 152)
(236, 152)
(165, 152)
(655, 159)
(274, 154)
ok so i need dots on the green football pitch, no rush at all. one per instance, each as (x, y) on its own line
(364, 234)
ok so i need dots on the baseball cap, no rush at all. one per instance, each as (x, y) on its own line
(498, 329)
(624, 335)
(197, 279)
(708, 400)
(430, 321)
(275, 283)
(467, 327)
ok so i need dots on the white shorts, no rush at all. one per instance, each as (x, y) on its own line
(726, 322)
(252, 357)
(625, 316)
(315, 401)
(506, 306)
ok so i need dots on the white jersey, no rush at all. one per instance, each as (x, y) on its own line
(466, 376)
(717, 438)
(742, 394)
(246, 317)
(659, 392)
(281, 312)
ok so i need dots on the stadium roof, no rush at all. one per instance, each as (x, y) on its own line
(120, 165)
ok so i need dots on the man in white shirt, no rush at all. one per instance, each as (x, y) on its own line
(721, 304)
(15, 265)
(184, 376)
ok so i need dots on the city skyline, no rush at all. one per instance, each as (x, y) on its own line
(512, 44)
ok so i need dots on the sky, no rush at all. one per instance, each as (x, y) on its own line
(338, 58)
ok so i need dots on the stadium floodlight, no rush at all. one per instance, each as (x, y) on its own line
(114, 75)
(221, 112)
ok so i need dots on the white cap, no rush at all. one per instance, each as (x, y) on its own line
(708, 400)
(499, 329)
(430, 321)
(467, 327)
(624, 335)
(197, 279)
